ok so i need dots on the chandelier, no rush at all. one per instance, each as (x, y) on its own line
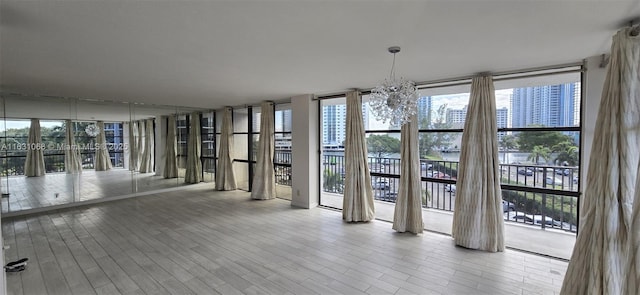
(395, 100)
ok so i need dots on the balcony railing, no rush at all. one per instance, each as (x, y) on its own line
(545, 196)
(53, 162)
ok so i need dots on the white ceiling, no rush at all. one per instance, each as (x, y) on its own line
(215, 53)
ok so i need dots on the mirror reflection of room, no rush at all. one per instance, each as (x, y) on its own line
(71, 150)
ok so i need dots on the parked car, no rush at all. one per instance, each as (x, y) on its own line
(534, 219)
(391, 196)
(508, 206)
(548, 221)
(564, 172)
(450, 188)
(381, 184)
(426, 166)
(552, 181)
(527, 172)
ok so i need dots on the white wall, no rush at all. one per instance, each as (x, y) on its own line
(594, 83)
(305, 170)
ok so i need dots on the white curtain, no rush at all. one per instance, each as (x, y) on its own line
(170, 150)
(633, 267)
(133, 146)
(194, 166)
(72, 159)
(146, 164)
(357, 204)
(102, 161)
(225, 177)
(408, 209)
(34, 164)
(478, 217)
(140, 143)
(264, 180)
(601, 262)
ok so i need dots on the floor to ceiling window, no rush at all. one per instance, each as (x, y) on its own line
(208, 146)
(282, 156)
(282, 144)
(333, 115)
(242, 130)
(538, 119)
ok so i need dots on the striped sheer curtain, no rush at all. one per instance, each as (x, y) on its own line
(477, 217)
(605, 258)
(146, 164)
(357, 204)
(72, 159)
(225, 177)
(170, 151)
(133, 146)
(408, 209)
(34, 164)
(102, 161)
(140, 143)
(264, 180)
(194, 166)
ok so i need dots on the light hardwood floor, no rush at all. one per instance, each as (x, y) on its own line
(197, 241)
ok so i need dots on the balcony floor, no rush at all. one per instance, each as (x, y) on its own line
(554, 243)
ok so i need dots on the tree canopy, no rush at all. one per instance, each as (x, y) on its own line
(383, 145)
(529, 140)
(431, 142)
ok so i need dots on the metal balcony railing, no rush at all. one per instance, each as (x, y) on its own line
(545, 196)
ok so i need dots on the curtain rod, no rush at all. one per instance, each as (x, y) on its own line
(463, 80)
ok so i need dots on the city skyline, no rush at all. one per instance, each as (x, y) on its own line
(547, 96)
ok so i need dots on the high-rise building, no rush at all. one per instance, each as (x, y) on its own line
(502, 120)
(334, 119)
(283, 120)
(550, 105)
(576, 105)
(424, 111)
(456, 117)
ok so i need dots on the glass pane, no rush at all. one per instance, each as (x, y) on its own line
(550, 102)
(116, 181)
(548, 159)
(257, 114)
(332, 159)
(283, 118)
(241, 120)
(208, 149)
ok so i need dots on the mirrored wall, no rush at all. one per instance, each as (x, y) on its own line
(57, 151)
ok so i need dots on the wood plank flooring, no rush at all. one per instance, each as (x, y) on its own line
(197, 241)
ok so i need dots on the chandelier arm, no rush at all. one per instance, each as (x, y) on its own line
(392, 75)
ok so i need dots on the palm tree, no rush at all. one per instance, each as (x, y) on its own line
(539, 152)
(507, 142)
(567, 153)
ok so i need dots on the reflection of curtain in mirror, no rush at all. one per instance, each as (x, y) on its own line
(264, 181)
(102, 159)
(225, 177)
(357, 204)
(194, 166)
(146, 165)
(408, 210)
(140, 143)
(171, 146)
(478, 221)
(34, 165)
(133, 145)
(72, 159)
